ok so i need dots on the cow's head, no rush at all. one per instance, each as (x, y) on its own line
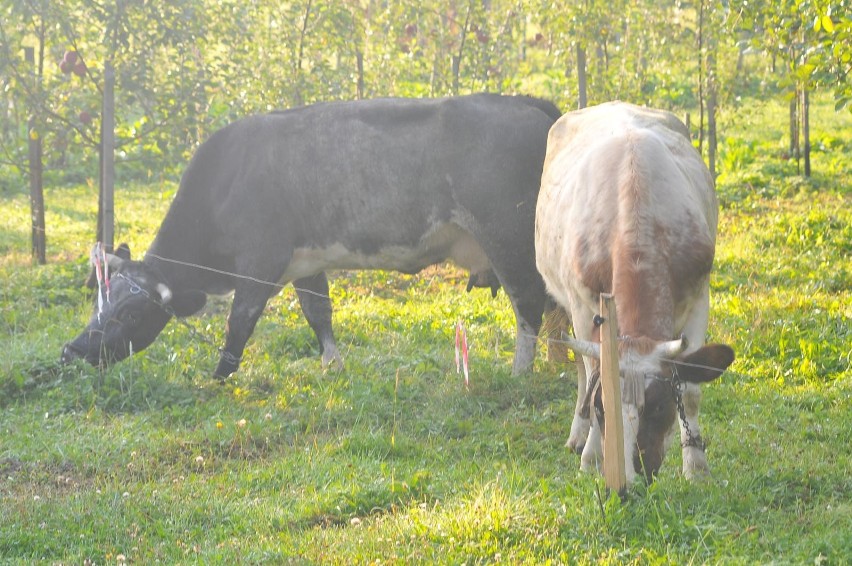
(129, 316)
(653, 377)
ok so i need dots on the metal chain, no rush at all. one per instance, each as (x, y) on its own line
(694, 441)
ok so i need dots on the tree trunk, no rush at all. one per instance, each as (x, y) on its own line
(359, 62)
(582, 99)
(456, 72)
(711, 108)
(297, 67)
(107, 212)
(806, 129)
(39, 241)
(700, 39)
(794, 127)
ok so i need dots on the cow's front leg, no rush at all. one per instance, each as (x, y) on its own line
(316, 306)
(582, 321)
(592, 458)
(694, 459)
(580, 424)
(249, 301)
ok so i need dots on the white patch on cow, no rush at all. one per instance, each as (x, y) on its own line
(446, 241)
(524, 346)
(592, 457)
(694, 459)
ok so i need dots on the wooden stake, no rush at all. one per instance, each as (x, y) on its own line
(613, 434)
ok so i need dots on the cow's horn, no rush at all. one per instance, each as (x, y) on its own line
(164, 292)
(584, 347)
(673, 348)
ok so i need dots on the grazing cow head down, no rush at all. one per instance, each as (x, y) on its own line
(130, 315)
(653, 374)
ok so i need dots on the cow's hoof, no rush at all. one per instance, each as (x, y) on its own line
(695, 466)
(219, 379)
(330, 359)
(579, 434)
(590, 465)
(575, 445)
(697, 474)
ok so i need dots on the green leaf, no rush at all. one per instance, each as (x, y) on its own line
(827, 24)
(805, 71)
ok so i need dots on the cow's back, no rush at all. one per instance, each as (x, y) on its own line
(373, 173)
(622, 185)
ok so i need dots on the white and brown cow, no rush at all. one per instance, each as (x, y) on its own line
(628, 207)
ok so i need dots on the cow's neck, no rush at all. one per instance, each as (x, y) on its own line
(176, 251)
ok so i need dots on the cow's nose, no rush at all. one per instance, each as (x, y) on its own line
(69, 354)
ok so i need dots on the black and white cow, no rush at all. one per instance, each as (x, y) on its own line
(628, 207)
(381, 184)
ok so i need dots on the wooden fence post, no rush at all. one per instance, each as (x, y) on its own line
(613, 433)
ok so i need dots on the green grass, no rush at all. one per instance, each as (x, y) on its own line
(393, 460)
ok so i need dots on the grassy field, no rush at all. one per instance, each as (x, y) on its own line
(393, 460)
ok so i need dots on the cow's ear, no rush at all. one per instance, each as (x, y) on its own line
(705, 364)
(185, 303)
(123, 251)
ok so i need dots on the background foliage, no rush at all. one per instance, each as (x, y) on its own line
(188, 67)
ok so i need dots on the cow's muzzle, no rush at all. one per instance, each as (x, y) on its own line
(71, 353)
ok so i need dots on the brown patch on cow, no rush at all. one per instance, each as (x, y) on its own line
(593, 270)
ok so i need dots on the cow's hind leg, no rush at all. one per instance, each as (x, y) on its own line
(525, 288)
(528, 304)
(316, 306)
(508, 245)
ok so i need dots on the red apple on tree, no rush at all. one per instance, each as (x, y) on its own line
(70, 56)
(80, 69)
(85, 117)
(65, 66)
